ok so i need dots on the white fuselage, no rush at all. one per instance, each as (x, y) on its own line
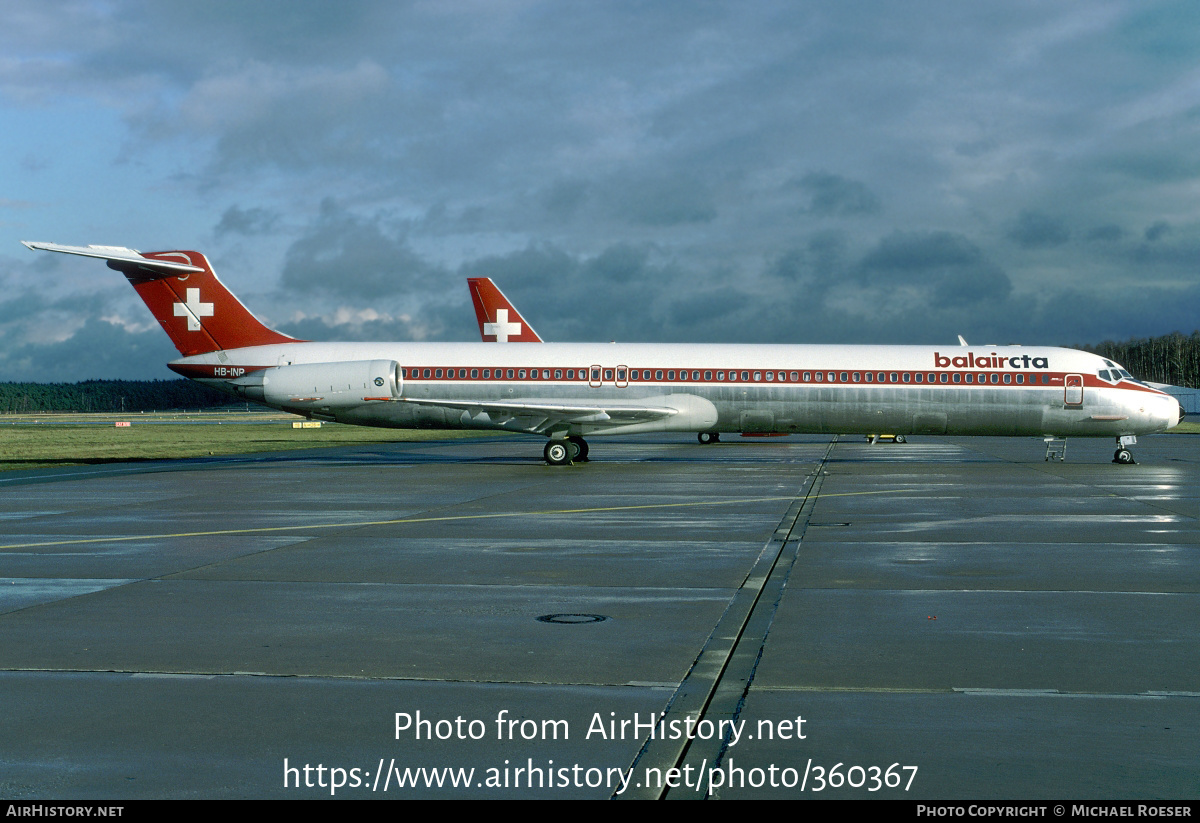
(987, 390)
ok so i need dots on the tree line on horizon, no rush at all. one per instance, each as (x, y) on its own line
(108, 396)
(1172, 358)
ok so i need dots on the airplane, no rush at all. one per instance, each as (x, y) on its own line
(499, 321)
(566, 391)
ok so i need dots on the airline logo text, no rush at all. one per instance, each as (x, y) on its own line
(989, 361)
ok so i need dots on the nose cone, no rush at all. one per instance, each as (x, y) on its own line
(1166, 410)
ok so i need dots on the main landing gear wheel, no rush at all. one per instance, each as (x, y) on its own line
(901, 438)
(709, 437)
(558, 452)
(579, 448)
(1123, 456)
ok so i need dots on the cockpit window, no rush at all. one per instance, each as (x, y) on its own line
(1117, 374)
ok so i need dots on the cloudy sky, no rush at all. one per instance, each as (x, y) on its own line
(640, 171)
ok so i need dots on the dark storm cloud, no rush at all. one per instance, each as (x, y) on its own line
(97, 351)
(22, 306)
(1152, 164)
(800, 279)
(248, 222)
(827, 251)
(835, 196)
(564, 199)
(1157, 231)
(621, 267)
(1034, 230)
(1108, 233)
(615, 294)
(1168, 251)
(669, 201)
(344, 254)
(945, 267)
(27, 302)
(541, 268)
(1097, 316)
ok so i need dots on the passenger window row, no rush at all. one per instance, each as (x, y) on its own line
(623, 374)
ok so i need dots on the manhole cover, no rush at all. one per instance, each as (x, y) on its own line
(572, 618)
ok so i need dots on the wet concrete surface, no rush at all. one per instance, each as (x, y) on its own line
(955, 615)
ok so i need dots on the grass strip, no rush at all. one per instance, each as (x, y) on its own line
(75, 440)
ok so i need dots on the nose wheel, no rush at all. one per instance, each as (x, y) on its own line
(1123, 454)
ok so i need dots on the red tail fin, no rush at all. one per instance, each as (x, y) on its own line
(195, 309)
(498, 320)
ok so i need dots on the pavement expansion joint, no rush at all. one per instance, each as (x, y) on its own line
(720, 677)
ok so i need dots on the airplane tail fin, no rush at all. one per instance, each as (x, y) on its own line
(498, 320)
(180, 288)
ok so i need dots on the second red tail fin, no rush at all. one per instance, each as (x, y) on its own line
(499, 321)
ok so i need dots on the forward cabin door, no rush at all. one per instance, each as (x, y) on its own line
(1073, 390)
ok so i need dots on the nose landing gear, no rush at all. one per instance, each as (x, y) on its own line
(1123, 454)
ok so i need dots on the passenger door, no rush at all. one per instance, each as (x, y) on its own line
(1073, 390)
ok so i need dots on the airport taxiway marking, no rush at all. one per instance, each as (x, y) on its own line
(444, 518)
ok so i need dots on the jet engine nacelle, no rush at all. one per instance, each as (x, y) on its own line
(324, 386)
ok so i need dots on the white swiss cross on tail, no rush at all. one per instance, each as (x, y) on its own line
(501, 328)
(193, 309)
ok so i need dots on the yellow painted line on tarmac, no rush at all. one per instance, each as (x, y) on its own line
(734, 501)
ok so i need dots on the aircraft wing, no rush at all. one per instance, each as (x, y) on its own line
(541, 415)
